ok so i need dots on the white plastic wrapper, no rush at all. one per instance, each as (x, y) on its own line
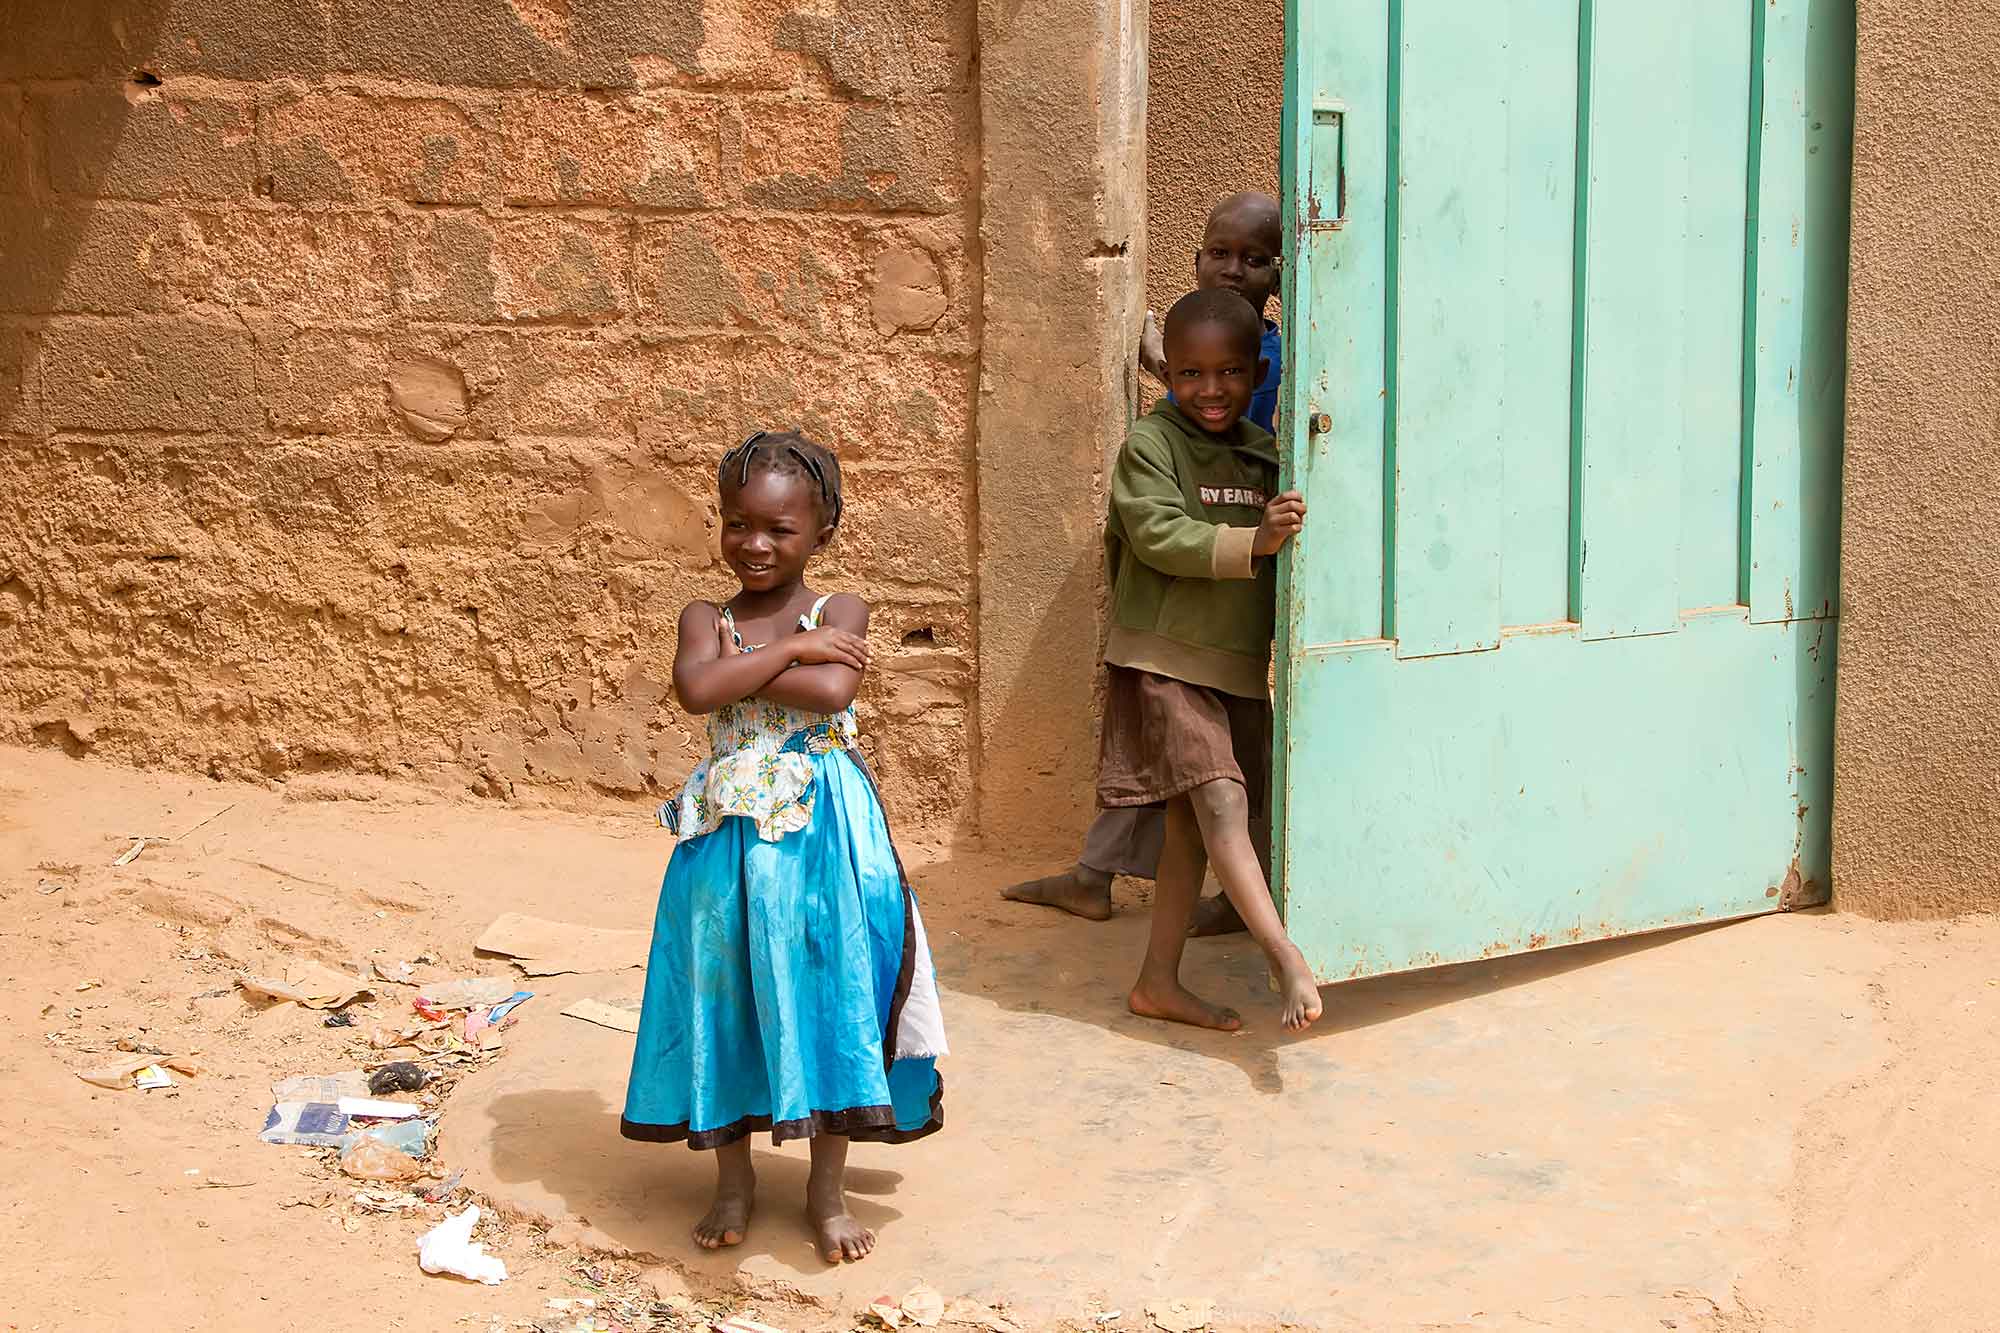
(448, 1247)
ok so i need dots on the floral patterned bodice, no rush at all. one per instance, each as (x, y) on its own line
(760, 760)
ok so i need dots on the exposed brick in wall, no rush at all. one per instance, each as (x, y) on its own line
(363, 368)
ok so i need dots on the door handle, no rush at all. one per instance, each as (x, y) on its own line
(1326, 176)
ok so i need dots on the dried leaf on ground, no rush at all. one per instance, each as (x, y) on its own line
(974, 1315)
(923, 1306)
(1181, 1316)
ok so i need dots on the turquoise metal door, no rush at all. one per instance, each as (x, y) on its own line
(1565, 352)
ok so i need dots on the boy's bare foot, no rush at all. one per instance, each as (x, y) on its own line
(1299, 992)
(1176, 1004)
(840, 1236)
(728, 1219)
(1078, 891)
(1215, 915)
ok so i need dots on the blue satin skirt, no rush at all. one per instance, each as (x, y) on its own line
(777, 980)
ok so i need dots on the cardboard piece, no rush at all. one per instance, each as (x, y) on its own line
(321, 1087)
(120, 1074)
(309, 984)
(604, 1015)
(548, 948)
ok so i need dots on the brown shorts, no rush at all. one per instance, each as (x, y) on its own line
(1162, 738)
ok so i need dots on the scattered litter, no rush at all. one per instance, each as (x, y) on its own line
(737, 1323)
(386, 1201)
(320, 1198)
(321, 1087)
(1181, 1316)
(224, 1184)
(509, 1005)
(469, 993)
(205, 823)
(547, 948)
(972, 1314)
(372, 1108)
(339, 1019)
(445, 1188)
(411, 1137)
(131, 853)
(615, 1017)
(402, 974)
(311, 984)
(312, 1124)
(923, 1306)
(1108, 1317)
(152, 1076)
(368, 1158)
(88, 985)
(122, 1074)
(448, 1247)
(399, 1076)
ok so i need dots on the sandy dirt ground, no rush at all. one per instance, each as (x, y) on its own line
(1790, 1123)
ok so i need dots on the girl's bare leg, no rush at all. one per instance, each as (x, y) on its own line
(728, 1220)
(1222, 809)
(839, 1235)
(1158, 993)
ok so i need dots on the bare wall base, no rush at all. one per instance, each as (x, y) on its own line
(1917, 787)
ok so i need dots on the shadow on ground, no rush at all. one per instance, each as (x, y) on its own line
(1038, 960)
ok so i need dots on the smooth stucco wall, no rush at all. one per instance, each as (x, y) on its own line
(1211, 126)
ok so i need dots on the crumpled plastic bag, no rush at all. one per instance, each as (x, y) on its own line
(448, 1247)
(369, 1158)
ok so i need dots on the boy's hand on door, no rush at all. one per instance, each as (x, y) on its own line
(1283, 518)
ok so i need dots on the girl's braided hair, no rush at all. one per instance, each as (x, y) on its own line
(787, 453)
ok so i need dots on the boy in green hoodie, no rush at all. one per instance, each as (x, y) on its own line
(1187, 716)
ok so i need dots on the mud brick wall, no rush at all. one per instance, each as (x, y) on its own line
(363, 368)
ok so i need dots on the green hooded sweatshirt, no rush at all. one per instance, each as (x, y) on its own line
(1188, 600)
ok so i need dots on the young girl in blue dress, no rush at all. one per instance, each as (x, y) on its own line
(790, 986)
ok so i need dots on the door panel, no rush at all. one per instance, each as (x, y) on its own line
(1635, 335)
(1557, 642)
(1451, 301)
(1540, 115)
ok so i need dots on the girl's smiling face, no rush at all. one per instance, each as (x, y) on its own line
(771, 528)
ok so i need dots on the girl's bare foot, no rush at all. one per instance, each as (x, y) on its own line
(1176, 1004)
(840, 1236)
(1215, 915)
(728, 1219)
(1302, 1006)
(1077, 891)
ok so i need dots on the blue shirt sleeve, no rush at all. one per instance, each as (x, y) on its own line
(1264, 402)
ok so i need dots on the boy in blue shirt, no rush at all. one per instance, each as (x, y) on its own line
(1242, 248)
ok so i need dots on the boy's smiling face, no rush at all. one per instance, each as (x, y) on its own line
(1213, 370)
(1241, 248)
